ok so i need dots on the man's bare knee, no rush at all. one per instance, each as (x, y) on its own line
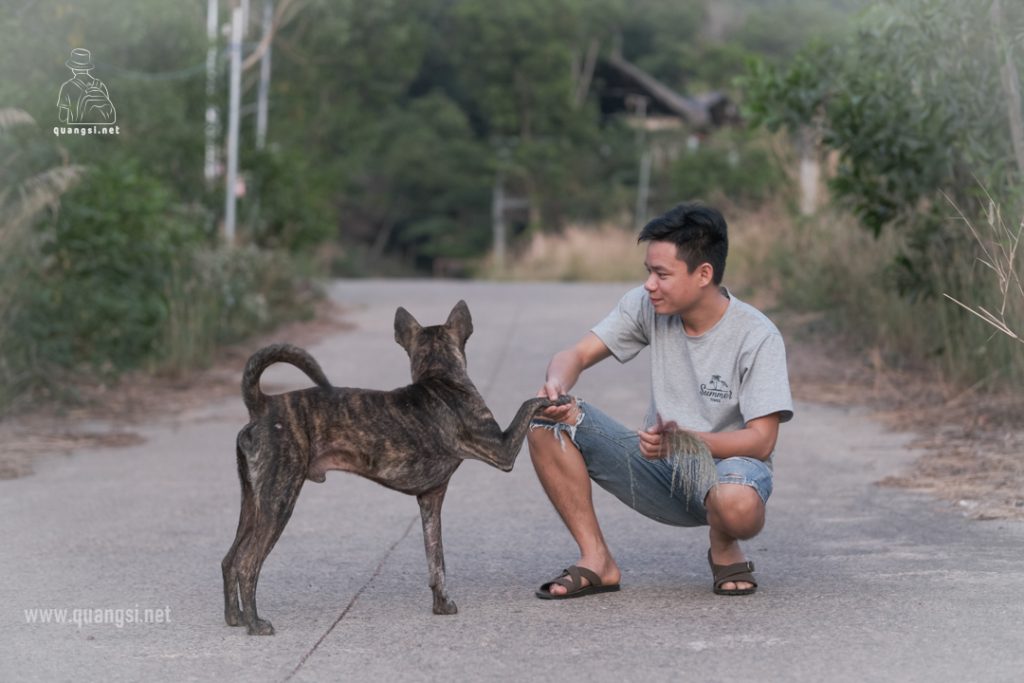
(736, 509)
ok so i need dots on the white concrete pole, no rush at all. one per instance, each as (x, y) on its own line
(212, 127)
(233, 111)
(262, 103)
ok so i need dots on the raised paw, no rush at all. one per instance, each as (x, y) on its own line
(543, 403)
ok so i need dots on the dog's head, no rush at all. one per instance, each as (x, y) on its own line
(438, 349)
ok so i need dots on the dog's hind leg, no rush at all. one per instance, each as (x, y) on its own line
(229, 568)
(273, 508)
(430, 512)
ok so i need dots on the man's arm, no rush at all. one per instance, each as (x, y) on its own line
(565, 369)
(756, 440)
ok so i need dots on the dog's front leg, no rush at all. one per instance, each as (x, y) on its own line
(430, 511)
(504, 454)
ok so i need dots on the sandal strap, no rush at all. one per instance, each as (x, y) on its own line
(590, 576)
(738, 571)
(571, 579)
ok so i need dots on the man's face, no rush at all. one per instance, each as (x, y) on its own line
(672, 289)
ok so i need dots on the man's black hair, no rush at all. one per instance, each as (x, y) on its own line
(699, 233)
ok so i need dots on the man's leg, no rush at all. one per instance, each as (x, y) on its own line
(735, 512)
(563, 474)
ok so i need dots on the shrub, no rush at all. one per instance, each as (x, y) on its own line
(123, 277)
(733, 167)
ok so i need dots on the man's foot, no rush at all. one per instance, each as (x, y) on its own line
(576, 582)
(608, 576)
(734, 575)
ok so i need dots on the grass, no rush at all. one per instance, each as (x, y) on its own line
(604, 253)
(999, 255)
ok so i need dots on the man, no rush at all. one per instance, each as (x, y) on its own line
(718, 371)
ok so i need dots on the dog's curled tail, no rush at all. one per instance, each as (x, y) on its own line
(267, 356)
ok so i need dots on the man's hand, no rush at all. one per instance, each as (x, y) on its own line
(553, 391)
(652, 445)
(756, 440)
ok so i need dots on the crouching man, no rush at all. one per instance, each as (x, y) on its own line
(719, 390)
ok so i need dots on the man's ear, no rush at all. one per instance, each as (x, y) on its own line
(460, 322)
(707, 273)
(406, 328)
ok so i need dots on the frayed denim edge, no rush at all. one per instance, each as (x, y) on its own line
(560, 428)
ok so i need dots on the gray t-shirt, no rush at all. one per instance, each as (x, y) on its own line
(733, 373)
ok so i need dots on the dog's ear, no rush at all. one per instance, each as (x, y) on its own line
(460, 322)
(406, 328)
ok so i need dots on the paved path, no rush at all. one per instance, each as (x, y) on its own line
(858, 583)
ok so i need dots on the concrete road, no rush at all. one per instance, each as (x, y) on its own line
(858, 583)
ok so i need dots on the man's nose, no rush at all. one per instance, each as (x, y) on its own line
(651, 283)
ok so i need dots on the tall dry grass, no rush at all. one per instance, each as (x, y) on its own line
(604, 253)
(1000, 257)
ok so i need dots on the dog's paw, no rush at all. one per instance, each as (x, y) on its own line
(543, 402)
(233, 618)
(261, 627)
(445, 607)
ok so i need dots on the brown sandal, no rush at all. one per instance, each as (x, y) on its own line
(572, 580)
(732, 573)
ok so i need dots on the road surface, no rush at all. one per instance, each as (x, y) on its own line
(858, 583)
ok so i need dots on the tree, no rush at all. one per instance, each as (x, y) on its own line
(913, 103)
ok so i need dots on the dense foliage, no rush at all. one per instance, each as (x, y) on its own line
(389, 123)
(914, 100)
(390, 119)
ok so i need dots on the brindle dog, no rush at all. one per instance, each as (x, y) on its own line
(411, 439)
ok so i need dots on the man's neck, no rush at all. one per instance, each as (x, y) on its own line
(707, 313)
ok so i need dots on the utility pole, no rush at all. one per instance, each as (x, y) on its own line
(230, 198)
(212, 127)
(262, 102)
(644, 184)
(498, 222)
(500, 205)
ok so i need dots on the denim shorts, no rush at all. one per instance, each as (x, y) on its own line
(652, 487)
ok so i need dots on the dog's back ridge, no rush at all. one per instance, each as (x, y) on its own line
(267, 356)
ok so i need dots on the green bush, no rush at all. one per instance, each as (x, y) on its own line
(733, 167)
(89, 292)
(221, 296)
(122, 277)
(288, 203)
(102, 282)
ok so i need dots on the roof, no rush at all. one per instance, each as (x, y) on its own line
(623, 79)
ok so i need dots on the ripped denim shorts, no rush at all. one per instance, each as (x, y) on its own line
(654, 488)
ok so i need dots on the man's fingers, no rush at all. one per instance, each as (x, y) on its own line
(649, 437)
(552, 390)
(650, 444)
(558, 412)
